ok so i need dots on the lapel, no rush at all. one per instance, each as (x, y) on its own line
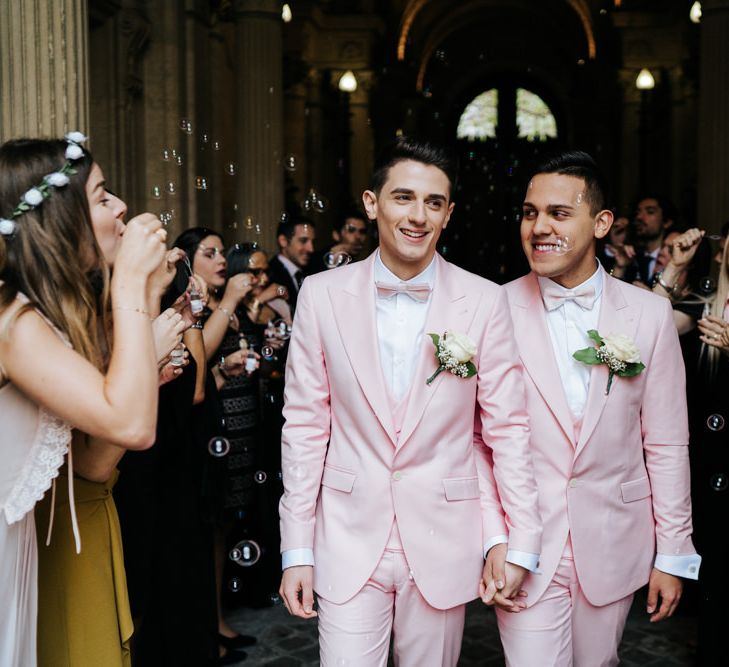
(616, 316)
(355, 315)
(537, 354)
(451, 309)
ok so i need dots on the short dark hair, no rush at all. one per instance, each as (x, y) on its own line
(668, 208)
(349, 213)
(288, 227)
(580, 165)
(238, 258)
(408, 148)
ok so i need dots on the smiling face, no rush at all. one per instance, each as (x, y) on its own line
(107, 214)
(649, 221)
(412, 209)
(300, 246)
(209, 261)
(555, 205)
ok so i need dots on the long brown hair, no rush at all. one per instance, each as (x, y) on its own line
(53, 257)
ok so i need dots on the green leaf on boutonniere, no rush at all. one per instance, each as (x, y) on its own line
(587, 355)
(631, 370)
(592, 333)
(471, 369)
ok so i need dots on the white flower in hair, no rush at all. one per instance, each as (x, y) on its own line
(7, 227)
(57, 179)
(74, 152)
(76, 137)
(33, 197)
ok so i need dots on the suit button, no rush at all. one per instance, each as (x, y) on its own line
(397, 476)
(692, 569)
(573, 483)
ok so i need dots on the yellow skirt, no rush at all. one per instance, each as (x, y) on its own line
(84, 618)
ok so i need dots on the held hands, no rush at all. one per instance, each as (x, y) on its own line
(297, 591)
(501, 582)
(668, 588)
(142, 247)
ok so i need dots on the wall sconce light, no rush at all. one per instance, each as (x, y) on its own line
(286, 15)
(695, 12)
(645, 80)
(348, 82)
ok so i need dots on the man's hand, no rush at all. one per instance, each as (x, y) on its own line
(501, 582)
(297, 591)
(669, 589)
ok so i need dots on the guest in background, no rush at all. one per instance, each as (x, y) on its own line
(296, 246)
(350, 238)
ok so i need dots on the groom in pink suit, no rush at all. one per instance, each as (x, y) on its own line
(611, 466)
(387, 511)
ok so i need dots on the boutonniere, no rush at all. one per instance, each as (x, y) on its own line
(453, 352)
(617, 351)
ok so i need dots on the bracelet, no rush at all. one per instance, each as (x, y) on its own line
(143, 311)
(666, 287)
(227, 312)
(197, 325)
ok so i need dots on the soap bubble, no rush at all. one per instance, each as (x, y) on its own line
(218, 446)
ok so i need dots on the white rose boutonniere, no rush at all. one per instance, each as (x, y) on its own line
(617, 351)
(453, 352)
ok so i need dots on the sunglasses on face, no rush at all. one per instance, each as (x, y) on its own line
(351, 229)
(256, 273)
(210, 253)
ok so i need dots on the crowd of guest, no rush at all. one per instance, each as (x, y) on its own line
(165, 386)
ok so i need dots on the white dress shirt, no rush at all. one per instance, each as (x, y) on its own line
(291, 268)
(568, 326)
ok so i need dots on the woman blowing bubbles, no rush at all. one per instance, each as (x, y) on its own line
(58, 371)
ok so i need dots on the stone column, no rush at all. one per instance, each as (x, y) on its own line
(260, 114)
(43, 68)
(362, 142)
(713, 124)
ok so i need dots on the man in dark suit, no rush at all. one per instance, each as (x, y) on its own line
(296, 246)
(350, 239)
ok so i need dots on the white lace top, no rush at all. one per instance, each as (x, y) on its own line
(33, 444)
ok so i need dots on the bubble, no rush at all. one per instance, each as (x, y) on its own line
(166, 154)
(719, 481)
(715, 422)
(260, 476)
(231, 169)
(267, 352)
(216, 145)
(281, 292)
(248, 553)
(248, 223)
(173, 153)
(334, 259)
(179, 160)
(171, 188)
(234, 585)
(218, 446)
(156, 192)
(165, 217)
(563, 244)
(204, 138)
(284, 217)
(707, 285)
(296, 471)
(201, 183)
(275, 599)
(281, 329)
(186, 126)
(291, 162)
(320, 205)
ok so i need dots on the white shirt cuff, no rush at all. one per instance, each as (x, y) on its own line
(295, 557)
(686, 566)
(524, 559)
(498, 539)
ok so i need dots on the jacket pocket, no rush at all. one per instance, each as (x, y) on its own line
(461, 488)
(338, 479)
(636, 489)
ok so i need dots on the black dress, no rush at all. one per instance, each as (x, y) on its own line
(168, 553)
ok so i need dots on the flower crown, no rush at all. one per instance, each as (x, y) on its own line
(35, 196)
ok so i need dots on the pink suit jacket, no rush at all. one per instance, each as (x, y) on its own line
(622, 489)
(347, 474)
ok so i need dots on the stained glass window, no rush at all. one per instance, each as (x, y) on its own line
(534, 120)
(479, 119)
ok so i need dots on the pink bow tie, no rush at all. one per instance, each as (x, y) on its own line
(554, 297)
(416, 291)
